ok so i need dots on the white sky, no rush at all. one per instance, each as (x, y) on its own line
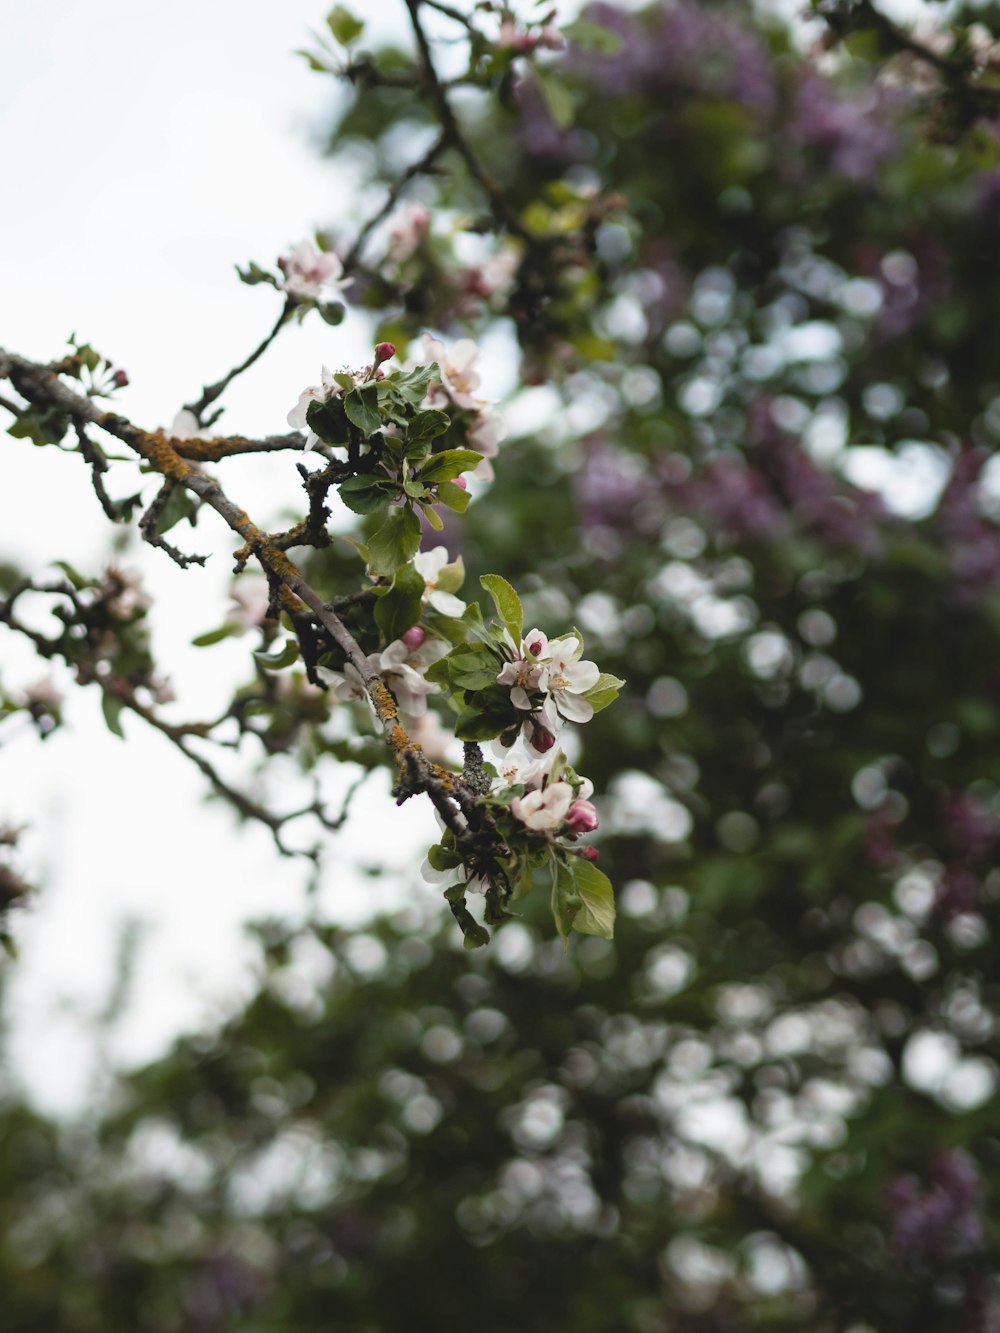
(145, 148)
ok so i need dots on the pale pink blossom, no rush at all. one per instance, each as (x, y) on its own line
(307, 271)
(458, 377)
(408, 233)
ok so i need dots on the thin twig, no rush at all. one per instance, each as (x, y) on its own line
(211, 392)
(457, 140)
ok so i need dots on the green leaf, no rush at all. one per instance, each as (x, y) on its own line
(455, 497)
(213, 636)
(472, 668)
(448, 464)
(507, 603)
(590, 36)
(396, 542)
(399, 608)
(481, 724)
(604, 692)
(282, 656)
(427, 425)
(181, 505)
(451, 576)
(596, 914)
(344, 27)
(361, 406)
(566, 902)
(111, 707)
(582, 898)
(328, 420)
(365, 494)
(253, 274)
(411, 385)
(436, 522)
(74, 576)
(560, 102)
(442, 859)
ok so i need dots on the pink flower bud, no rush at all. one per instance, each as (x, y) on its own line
(588, 853)
(460, 481)
(581, 817)
(535, 647)
(120, 378)
(414, 637)
(383, 351)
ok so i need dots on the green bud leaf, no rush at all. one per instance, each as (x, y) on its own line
(399, 608)
(396, 542)
(507, 603)
(596, 913)
(449, 464)
(427, 425)
(282, 656)
(365, 494)
(604, 692)
(328, 420)
(344, 27)
(213, 636)
(361, 406)
(455, 497)
(111, 707)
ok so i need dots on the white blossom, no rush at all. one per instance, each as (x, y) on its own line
(516, 767)
(430, 564)
(185, 427)
(569, 679)
(544, 810)
(406, 683)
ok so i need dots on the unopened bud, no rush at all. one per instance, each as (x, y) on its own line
(542, 739)
(460, 481)
(588, 853)
(120, 378)
(581, 817)
(414, 637)
(383, 351)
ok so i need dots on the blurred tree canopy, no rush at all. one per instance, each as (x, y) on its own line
(748, 271)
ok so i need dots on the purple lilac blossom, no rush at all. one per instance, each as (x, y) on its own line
(857, 133)
(942, 1222)
(972, 540)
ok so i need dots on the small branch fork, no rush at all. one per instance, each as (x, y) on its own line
(453, 796)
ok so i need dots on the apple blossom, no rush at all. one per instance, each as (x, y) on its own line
(408, 233)
(570, 679)
(406, 683)
(545, 810)
(306, 271)
(517, 768)
(430, 564)
(523, 675)
(458, 379)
